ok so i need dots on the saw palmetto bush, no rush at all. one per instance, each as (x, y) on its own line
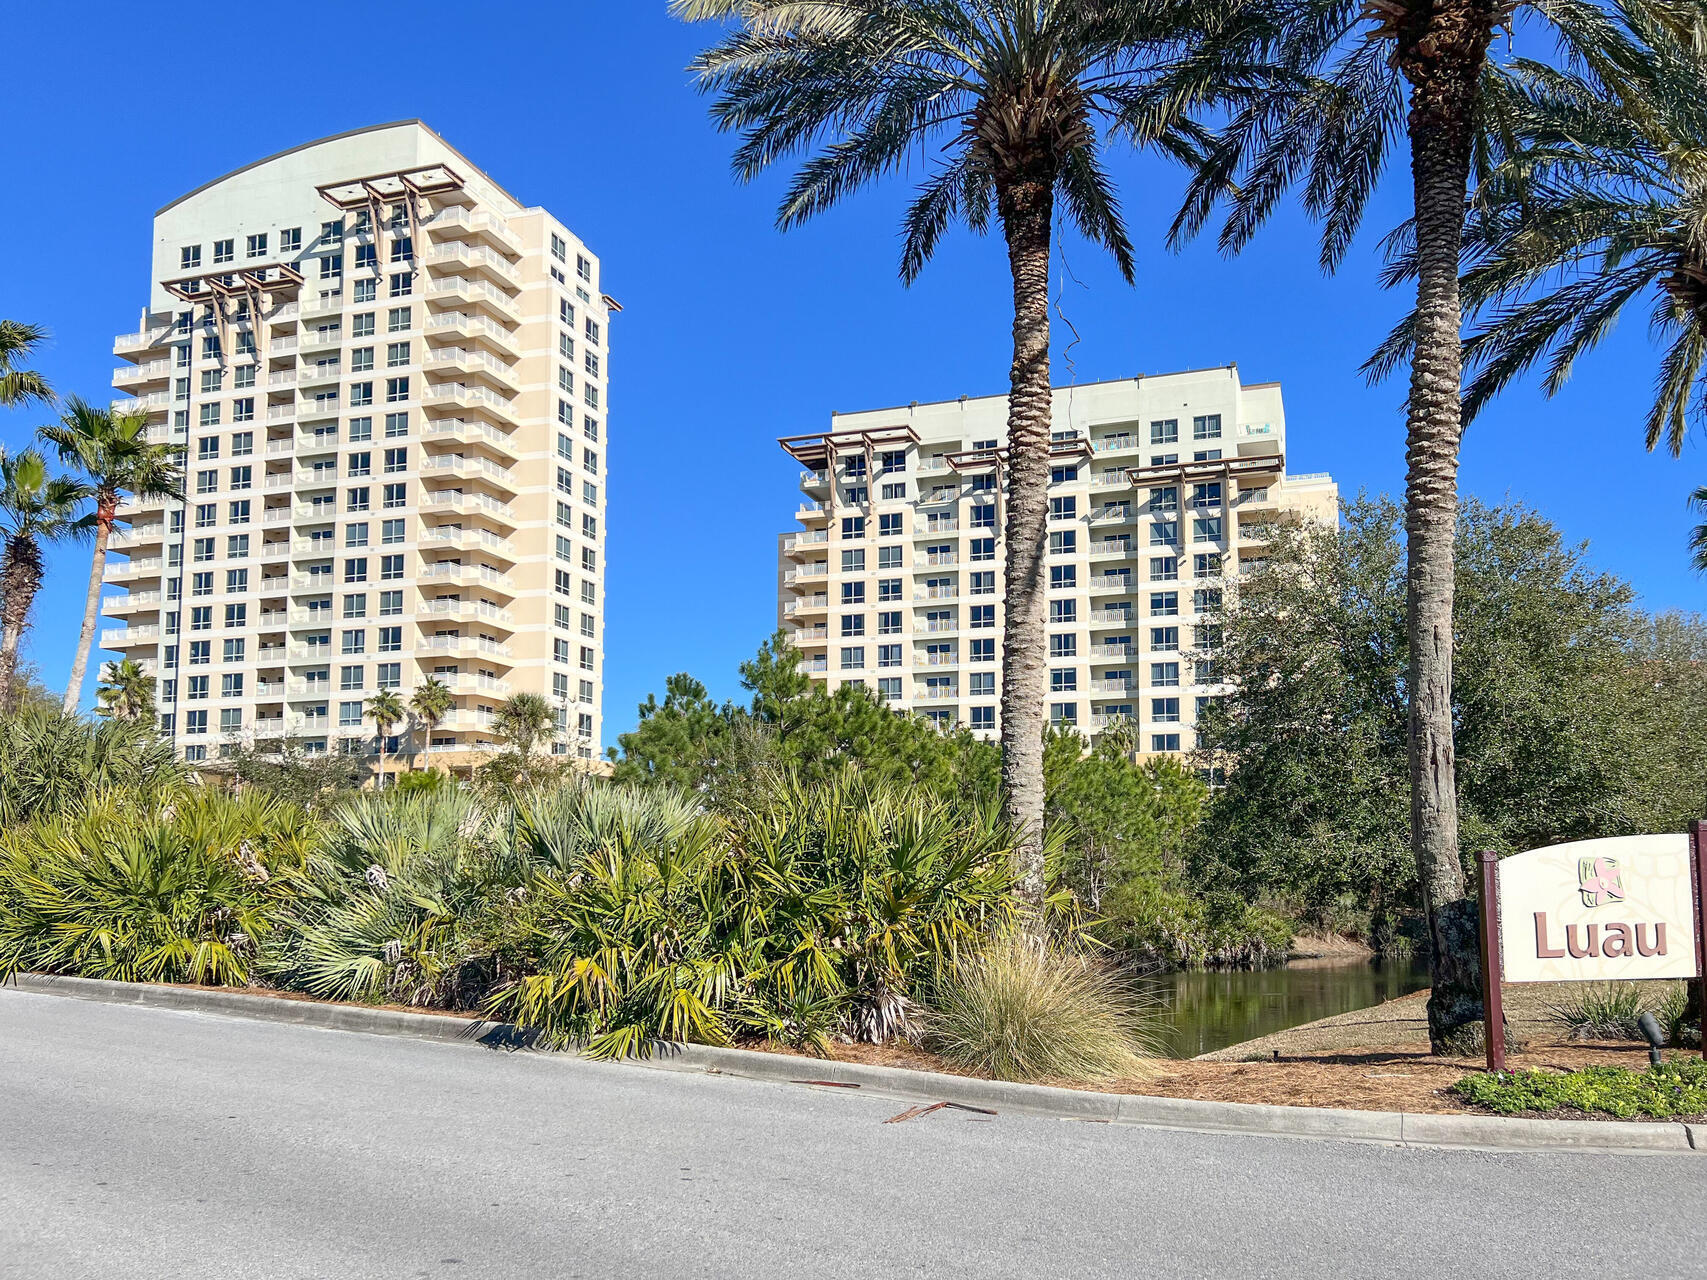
(392, 905)
(51, 763)
(809, 913)
(128, 889)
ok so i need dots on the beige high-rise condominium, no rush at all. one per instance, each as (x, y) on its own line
(1161, 487)
(388, 377)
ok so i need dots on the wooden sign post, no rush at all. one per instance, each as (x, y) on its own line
(1627, 908)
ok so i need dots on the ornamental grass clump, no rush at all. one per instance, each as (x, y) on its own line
(1020, 1008)
(1607, 1012)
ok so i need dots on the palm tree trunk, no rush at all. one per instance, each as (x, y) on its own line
(1026, 204)
(104, 513)
(1441, 123)
(20, 578)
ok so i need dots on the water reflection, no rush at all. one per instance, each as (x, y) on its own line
(1211, 1010)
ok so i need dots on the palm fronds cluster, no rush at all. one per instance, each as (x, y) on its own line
(605, 916)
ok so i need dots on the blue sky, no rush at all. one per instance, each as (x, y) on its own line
(732, 333)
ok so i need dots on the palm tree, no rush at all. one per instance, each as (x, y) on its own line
(431, 703)
(1698, 535)
(386, 709)
(113, 450)
(1001, 104)
(522, 720)
(127, 692)
(36, 508)
(18, 341)
(1593, 200)
(1331, 86)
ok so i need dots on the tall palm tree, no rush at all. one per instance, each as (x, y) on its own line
(1004, 106)
(386, 709)
(1332, 86)
(127, 692)
(36, 508)
(522, 720)
(431, 703)
(114, 451)
(19, 386)
(1595, 198)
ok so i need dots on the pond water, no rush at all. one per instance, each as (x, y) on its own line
(1209, 1010)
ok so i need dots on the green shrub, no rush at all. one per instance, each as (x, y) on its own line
(52, 764)
(1676, 1088)
(1019, 1008)
(813, 909)
(1180, 930)
(183, 894)
(393, 905)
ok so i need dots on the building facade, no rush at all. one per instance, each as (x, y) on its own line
(1161, 487)
(388, 379)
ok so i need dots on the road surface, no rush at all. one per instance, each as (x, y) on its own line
(148, 1143)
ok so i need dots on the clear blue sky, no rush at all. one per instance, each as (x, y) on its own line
(732, 333)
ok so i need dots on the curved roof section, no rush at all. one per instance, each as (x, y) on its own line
(334, 137)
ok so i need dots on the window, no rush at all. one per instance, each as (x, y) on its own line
(190, 257)
(355, 607)
(366, 290)
(402, 284)
(390, 568)
(367, 255)
(1207, 427)
(1164, 568)
(349, 713)
(853, 526)
(237, 545)
(353, 642)
(584, 269)
(392, 531)
(983, 717)
(1164, 710)
(1164, 675)
(356, 499)
(853, 624)
(257, 245)
(559, 247)
(1164, 604)
(236, 581)
(396, 389)
(396, 424)
(1063, 542)
(390, 603)
(201, 584)
(1165, 432)
(361, 393)
(853, 659)
(1063, 508)
(1164, 742)
(1164, 533)
(236, 615)
(1163, 639)
(243, 477)
(1064, 646)
(1063, 475)
(983, 650)
(396, 355)
(1063, 577)
(888, 655)
(290, 240)
(390, 639)
(331, 266)
(355, 570)
(361, 360)
(355, 535)
(1063, 680)
(1064, 713)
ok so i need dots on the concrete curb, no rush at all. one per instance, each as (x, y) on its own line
(1487, 1133)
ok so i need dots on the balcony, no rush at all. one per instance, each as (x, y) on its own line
(451, 538)
(934, 694)
(122, 638)
(813, 635)
(458, 395)
(318, 409)
(942, 626)
(1112, 652)
(282, 378)
(467, 431)
(471, 682)
(470, 609)
(458, 220)
(810, 512)
(461, 289)
(793, 543)
(153, 402)
(1113, 547)
(320, 304)
(471, 645)
(814, 479)
(937, 559)
(321, 373)
(281, 413)
(283, 346)
(1114, 688)
(137, 535)
(463, 360)
(790, 577)
(1111, 617)
(1121, 584)
(464, 573)
(134, 602)
(449, 499)
(461, 468)
(937, 593)
(463, 257)
(938, 659)
(930, 528)
(141, 340)
(145, 567)
(132, 376)
(465, 325)
(812, 604)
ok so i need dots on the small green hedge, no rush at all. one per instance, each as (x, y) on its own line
(1677, 1088)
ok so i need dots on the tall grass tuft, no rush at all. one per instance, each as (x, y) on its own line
(1019, 1008)
(1603, 1013)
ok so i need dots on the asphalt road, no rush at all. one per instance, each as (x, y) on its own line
(147, 1143)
